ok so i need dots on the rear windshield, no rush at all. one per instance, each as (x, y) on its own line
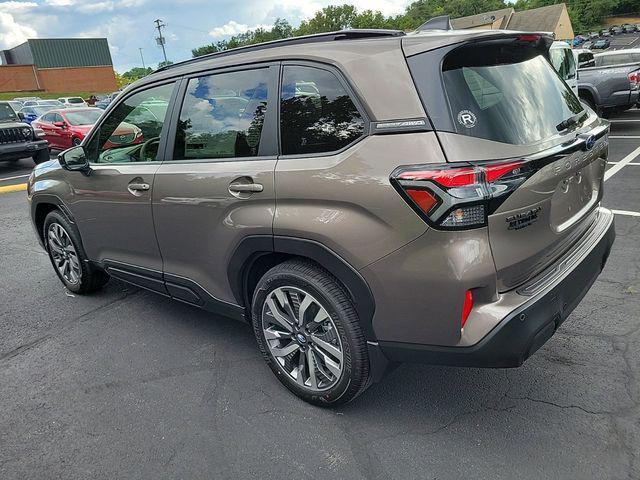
(75, 100)
(83, 117)
(506, 96)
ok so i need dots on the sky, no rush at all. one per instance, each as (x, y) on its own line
(128, 24)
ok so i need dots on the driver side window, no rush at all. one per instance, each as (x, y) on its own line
(131, 132)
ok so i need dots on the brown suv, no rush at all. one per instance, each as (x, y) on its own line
(362, 198)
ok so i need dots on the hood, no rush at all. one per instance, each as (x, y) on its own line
(10, 124)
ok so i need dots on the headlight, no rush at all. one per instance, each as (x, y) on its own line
(26, 133)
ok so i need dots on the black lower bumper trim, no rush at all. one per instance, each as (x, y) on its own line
(525, 330)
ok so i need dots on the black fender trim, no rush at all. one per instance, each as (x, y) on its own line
(178, 288)
(252, 247)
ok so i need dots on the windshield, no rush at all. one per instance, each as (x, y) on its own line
(75, 100)
(83, 117)
(49, 102)
(7, 114)
(506, 96)
(42, 109)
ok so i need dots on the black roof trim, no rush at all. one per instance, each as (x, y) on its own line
(354, 34)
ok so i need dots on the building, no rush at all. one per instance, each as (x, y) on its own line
(552, 18)
(58, 65)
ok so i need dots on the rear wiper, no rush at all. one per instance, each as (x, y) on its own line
(571, 121)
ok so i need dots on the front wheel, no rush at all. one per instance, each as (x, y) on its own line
(309, 333)
(76, 141)
(68, 258)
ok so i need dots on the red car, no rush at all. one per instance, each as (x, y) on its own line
(64, 128)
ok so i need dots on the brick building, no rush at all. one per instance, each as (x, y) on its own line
(58, 65)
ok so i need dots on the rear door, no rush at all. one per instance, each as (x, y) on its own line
(538, 156)
(216, 186)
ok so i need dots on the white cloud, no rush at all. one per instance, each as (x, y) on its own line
(13, 33)
(234, 28)
(13, 6)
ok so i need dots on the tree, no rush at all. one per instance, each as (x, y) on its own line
(136, 73)
(165, 63)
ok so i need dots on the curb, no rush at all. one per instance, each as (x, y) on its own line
(13, 188)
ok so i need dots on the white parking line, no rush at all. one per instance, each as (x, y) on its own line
(621, 164)
(13, 178)
(626, 212)
(621, 120)
(624, 136)
(628, 164)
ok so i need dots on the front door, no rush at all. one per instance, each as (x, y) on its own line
(216, 185)
(112, 203)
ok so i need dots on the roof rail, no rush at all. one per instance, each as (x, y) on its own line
(353, 34)
(442, 22)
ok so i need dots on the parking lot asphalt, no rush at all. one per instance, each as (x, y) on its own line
(127, 384)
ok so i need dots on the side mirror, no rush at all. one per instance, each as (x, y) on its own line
(59, 124)
(74, 159)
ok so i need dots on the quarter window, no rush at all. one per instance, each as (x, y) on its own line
(131, 132)
(222, 116)
(316, 113)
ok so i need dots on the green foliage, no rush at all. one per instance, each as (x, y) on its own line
(164, 64)
(585, 15)
(136, 73)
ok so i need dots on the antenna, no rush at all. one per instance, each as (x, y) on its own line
(442, 22)
(160, 40)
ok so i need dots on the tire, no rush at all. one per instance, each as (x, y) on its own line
(61, 236)
(332, 340)
(41, 156)
(76, 141)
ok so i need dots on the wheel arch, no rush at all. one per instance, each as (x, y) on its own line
(41, 206)
(255, 255)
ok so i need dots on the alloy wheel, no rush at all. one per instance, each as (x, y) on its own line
(302, 338)
(63, 253)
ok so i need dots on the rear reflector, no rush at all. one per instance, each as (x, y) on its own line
(466, 307)
(425, 200)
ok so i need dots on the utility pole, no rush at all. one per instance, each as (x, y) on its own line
(142, 58)
(161, 40)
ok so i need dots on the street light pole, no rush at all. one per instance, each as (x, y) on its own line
(161, 40)
(142, 58)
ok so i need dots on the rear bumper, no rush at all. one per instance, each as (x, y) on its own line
(14, 151)
(524, 330)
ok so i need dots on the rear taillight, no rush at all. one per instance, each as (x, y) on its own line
(634, 78)
(458, 196)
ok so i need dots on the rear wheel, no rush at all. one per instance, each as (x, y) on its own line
(309, 334)
(68, 258)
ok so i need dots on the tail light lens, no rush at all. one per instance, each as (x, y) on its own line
(634, 78)
(459, 196)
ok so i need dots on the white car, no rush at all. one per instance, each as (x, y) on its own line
(73, 102)
(564, 61)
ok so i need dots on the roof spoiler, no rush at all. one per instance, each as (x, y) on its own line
(442, 22)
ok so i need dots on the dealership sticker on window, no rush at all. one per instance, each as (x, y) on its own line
(467, 118)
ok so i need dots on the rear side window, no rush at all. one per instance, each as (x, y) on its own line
(618, 59)
(564, 63)
(222, 116)
(505, 94)
(316, 113)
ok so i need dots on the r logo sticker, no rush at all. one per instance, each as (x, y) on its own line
(467, 118)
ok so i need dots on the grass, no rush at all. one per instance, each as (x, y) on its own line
(46, 95)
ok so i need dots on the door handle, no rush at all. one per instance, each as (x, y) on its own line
(139, 187)
(246, 187)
